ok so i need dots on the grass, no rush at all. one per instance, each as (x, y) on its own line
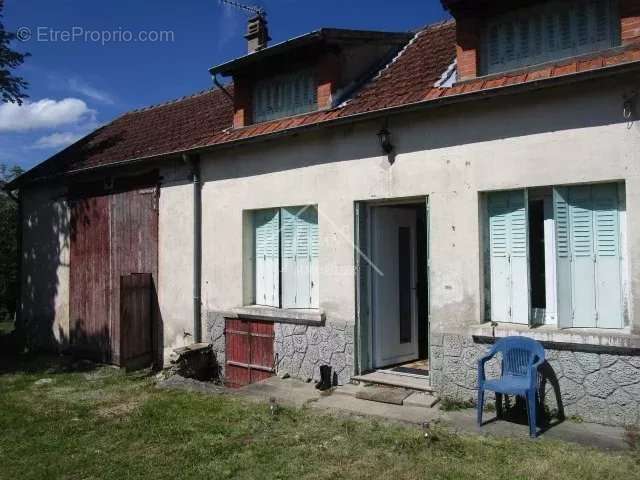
(6, 328)
(105, 424)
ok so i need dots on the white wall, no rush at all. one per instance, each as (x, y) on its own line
(45, 265)
(569, 135)
(175, 258)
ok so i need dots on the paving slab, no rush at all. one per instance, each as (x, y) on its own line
(290, 391)
(340, 404)
(394, 396)
(421, 399)
(349, 389)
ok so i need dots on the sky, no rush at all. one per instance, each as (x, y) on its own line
(93, 60)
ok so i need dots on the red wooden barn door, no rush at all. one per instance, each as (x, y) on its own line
(134, 250)
(111, 236)
(136, 347)
(90, 277)
(249, 351)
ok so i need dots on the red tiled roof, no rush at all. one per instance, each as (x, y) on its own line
(158, 130)
(205, 119)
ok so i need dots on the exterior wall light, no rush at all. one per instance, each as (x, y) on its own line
(385, 140)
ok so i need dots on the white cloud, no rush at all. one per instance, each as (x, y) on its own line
(57, 140)
(45, 113)
(78, 86)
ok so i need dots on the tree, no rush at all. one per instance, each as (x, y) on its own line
(11, 87)
(8, 245)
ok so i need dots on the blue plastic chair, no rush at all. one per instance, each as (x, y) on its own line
(521, 357)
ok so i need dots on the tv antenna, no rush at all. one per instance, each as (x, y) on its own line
(258, 11)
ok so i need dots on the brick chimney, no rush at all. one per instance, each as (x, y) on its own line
(257, 33)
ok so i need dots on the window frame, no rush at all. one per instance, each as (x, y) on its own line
(535, 20)
(269, 102)
(552, 286)
(250, 268)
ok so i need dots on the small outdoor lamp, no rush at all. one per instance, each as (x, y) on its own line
(385, 140)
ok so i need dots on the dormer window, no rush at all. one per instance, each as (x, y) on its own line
(548, 31)
(284, 96)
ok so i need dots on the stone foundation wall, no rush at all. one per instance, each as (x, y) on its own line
(301, 349)
(596, 386)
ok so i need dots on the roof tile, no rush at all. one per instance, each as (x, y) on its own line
(206, 119)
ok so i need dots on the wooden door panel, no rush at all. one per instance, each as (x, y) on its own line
(249, 351)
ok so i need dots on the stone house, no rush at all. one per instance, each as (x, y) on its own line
(386, 202)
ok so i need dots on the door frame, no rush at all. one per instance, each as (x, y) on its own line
(363, 268)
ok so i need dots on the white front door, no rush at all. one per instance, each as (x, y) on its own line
(394, 278)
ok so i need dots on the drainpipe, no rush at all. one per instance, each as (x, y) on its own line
(221, 87)
(193, 161)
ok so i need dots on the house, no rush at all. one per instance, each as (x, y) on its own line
(367, 200)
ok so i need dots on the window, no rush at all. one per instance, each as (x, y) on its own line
(285, 257)
(554, 30)
(284, 96)
(556, 256)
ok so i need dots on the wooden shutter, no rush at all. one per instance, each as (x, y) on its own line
(508, 240)
(563, 257)
(588, 256)
(284, 96)
(582, 256)
(550, 31)
(607, 255)
(267, 258)
(300, 250)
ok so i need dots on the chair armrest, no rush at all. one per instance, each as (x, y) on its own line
(481, 363)
(533, 373)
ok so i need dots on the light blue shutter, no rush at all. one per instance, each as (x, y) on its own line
(499, 256)
(267, 258)
(549, 31)
(607, 253)
(300, 251)
(519, 257)
(508, 257)
(289, 269)
(588, 254)
(563, 257)
(583, 259)
(314, 254)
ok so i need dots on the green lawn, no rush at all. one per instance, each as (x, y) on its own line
(104, 424)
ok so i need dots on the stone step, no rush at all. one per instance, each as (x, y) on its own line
(387, 378)
(414, 399)
(381, 394)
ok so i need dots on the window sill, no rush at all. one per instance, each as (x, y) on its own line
(313, 317)
(590, 338)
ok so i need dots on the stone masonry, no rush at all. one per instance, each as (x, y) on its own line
(594, 386)
(301, 350)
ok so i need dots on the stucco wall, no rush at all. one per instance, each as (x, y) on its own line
(175, 258)
(568, 135)
(45, 266)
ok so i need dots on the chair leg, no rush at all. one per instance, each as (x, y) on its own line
(499, 412)
(532, 414)
(480, 405)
